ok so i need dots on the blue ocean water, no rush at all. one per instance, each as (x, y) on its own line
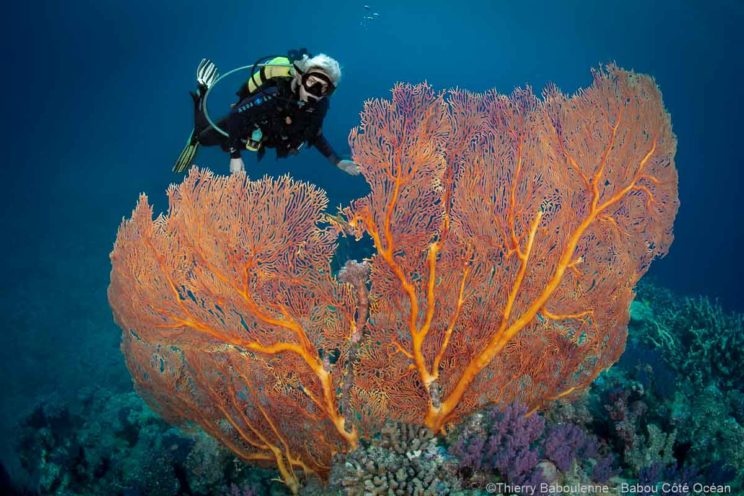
(96, 110)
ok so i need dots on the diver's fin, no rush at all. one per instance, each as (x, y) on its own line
(206, 74)
(187, 155)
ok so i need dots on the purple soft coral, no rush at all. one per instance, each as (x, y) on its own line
(567, 442)
(504, 440)
(604, 469)
(511, 441)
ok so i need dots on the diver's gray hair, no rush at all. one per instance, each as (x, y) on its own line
(328, 65)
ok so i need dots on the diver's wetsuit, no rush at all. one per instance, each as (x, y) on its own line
(285, 121)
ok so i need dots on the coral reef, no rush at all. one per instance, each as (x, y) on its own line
(704, 346)
(707, 425)
(114, 444)
(696, 337)
(640, 441)
(666, 409)
(640, 423)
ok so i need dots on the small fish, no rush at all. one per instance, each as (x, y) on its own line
(375, 14)
(367, 7)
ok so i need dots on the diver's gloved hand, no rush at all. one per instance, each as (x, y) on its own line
(349, 167)
(206, 74)
(236, 165)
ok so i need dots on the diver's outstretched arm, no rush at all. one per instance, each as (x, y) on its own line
(324, 147)
(348, 166)
(236, 165)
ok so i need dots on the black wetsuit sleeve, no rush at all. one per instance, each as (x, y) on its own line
(235, 125)
(321, 143)
(238, 126)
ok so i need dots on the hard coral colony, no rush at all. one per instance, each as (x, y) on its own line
(509, 234)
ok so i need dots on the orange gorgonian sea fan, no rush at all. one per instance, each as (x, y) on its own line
(509, 234)
(231, 317)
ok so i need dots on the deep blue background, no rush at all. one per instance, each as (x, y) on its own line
(95, 109)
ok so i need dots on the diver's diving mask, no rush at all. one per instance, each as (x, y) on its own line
(316, 84)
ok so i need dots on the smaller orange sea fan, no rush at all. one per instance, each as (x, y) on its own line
(230, 313)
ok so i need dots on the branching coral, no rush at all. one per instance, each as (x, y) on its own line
(696, 337)
(403, 459)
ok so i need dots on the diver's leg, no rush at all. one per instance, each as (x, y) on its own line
(206, 76)
(209, 136)
(200, 119)
(186, 158)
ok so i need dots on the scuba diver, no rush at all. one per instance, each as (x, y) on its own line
(281, 106)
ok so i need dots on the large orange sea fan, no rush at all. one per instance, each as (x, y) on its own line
(509, 234)
(510, 231)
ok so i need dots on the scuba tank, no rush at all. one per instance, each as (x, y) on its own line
(263, 70)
